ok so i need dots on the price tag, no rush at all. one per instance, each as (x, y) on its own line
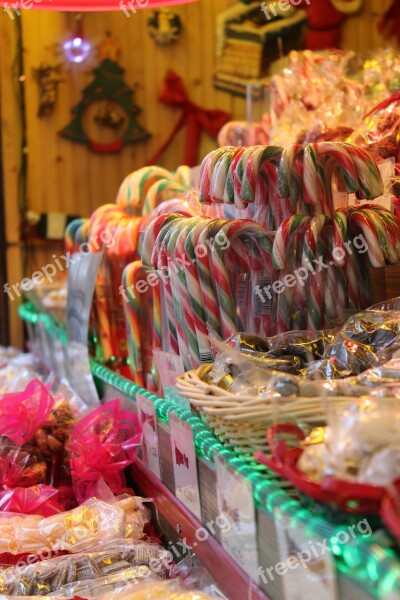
(235, 501)
(307, 566)
(185, 465)
(169, 366)
(81, 283)
(148, 420)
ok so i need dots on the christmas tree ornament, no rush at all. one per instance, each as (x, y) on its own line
(164, 26)
(105, 118)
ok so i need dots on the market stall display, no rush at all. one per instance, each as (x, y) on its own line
(234, 320)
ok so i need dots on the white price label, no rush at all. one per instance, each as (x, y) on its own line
(169, 367)
(148, 420)
(307, 566)
(236, 502)
(185, 464)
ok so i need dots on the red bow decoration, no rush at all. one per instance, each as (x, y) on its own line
(390, 23)
(196, 119)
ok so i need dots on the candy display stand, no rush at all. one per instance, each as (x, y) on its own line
(366, 566)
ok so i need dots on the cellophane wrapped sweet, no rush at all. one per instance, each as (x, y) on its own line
(156, 590)
(360, 443)
(65, 575)
(379, 129)
(92, 524)
(101, 446)
(34, 429)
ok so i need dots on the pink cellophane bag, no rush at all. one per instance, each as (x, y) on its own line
(22, 469)
(102, 445)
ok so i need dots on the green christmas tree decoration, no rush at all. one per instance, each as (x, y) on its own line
(116, 111)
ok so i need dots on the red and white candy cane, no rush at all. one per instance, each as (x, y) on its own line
(159, 261)
(176, 255)
(204, 270)
(206, 173)
(288, 244)
(258, 254)
(312, 253)
(369, 177)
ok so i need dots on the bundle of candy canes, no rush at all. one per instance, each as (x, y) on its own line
(296, 261)
(115, 229)
(200, 273)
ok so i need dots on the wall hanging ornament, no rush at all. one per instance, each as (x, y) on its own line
(195, 118)
(164, 26)
(48, 78)
(105, 118)
(250, 36)
(77, 49)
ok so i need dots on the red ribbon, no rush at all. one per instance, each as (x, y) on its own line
(194, 117)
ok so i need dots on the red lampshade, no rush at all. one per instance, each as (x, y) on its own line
(88, 5)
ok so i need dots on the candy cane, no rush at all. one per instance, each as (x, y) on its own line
(369, 177)
(311, 253)
(192, 251)
(206, 172)
(361, 221)
(339, 237)
(260, 155)
(176, 254)
(135, 186)
(204, 269)
(218, 179)
(290, 179)
(183, 177)
(282, 239)
(229, 190)
(314, 186)
(260, 251)
(152, 232)
(163, 189)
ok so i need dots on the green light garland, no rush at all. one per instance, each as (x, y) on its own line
(375, 566)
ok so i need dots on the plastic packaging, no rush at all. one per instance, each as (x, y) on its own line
(94, 523)
(379, 129)
(33, 432)
(157, 590)
(101, 446)
(62, 575)
(359, 444)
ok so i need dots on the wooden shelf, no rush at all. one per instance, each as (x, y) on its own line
(227, 574)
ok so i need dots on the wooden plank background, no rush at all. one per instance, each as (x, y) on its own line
(67, 177)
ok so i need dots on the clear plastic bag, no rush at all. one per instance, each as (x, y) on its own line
(93, 524)
(65, 573)
(160, 590)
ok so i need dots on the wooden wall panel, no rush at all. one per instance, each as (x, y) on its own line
(66, 176)
(360, 32)
(10, 139)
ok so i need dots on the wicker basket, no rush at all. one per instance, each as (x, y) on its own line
(241, 422)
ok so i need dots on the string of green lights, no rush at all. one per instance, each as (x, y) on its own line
(373, 561)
